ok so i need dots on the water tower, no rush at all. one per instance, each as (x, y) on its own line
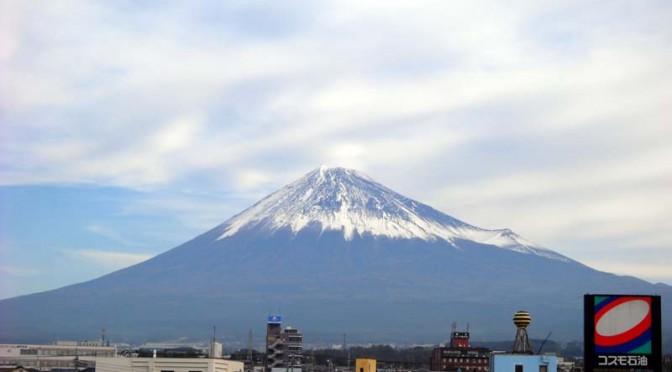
(521, 345)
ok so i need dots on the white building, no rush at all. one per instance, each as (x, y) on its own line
(46, 357)
(216, 349)
(167, 365)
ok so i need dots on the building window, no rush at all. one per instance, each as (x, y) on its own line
(543, 368)
(519, 368)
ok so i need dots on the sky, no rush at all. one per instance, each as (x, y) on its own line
(129, 127)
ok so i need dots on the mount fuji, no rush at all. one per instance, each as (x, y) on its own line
(335, 252)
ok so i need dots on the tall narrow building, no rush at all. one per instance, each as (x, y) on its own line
(274, 351)
(284, 348)
(293, 348)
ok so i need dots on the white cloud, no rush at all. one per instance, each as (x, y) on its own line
(621, 203)
(621, 171)
(111, 234)
(13, 271)
(657, 271)
(109, 260)
(149, 82)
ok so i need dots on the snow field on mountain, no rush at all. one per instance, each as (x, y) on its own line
(338, 199)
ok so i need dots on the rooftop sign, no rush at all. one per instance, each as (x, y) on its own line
(622, 332)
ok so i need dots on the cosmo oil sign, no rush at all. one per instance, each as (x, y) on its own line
(622, 332)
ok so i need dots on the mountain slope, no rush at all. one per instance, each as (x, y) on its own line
(337, 252)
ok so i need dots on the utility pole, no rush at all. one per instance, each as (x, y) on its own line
(212, 344)
(76, 361)
(346, 348)
(250, 359)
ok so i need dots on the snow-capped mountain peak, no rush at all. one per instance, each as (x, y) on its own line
(349, 201)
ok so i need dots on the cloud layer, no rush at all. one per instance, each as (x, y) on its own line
(110, 260)
(550, 118)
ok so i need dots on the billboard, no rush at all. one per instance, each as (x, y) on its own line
(274, 319)
(622, 332)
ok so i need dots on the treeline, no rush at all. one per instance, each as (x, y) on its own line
(418, 356)
(389, 356)
(570, 350)
(384, 354)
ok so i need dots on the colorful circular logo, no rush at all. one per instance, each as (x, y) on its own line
(623, 324)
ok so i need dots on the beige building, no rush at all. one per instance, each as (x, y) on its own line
(167, 365)
(365, 365)
(46, 357)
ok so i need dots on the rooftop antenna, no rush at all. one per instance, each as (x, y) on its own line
(454, 327)
(467, 326)
(543, 342)
(102, 337)
(214, 330)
